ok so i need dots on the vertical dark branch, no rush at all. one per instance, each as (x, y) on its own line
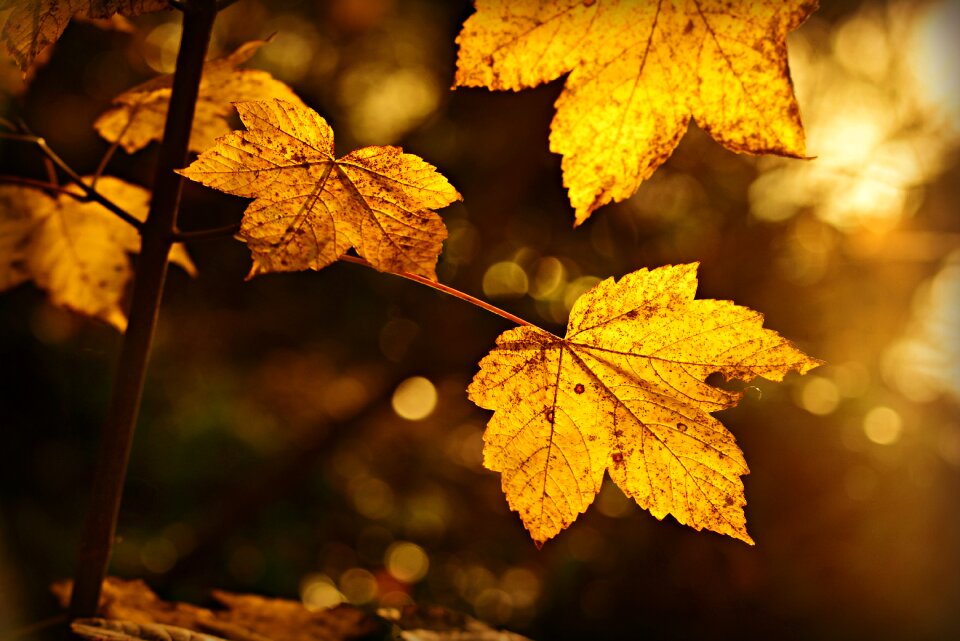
(114, 453)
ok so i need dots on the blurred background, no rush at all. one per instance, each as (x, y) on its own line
(308, 435)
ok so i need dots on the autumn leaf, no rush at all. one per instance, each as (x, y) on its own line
(638, 72)
(310, 207)
(97, 629)
(133, 607)
(139, 115)
(33, 25)
(436, 623)
(134, 613)
(76, 251)
(626, 391)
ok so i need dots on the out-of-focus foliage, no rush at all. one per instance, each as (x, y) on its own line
(310, 207)
(75, 250)
(33, 25)
(138, 115)
(132, 611)
(639, 71)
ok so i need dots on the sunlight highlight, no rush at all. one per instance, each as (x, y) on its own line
(415, 398)
(880, 124)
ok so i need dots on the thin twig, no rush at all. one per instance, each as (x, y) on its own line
(39, 184)
(226, 231)
(446, 289)
(75, 178)
(51, 171)
(112, 149)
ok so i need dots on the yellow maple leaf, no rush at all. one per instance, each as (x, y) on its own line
(33, 25)
(625, 391)
(310, 207)
(639, 72)
(76, 251)
(139, 115)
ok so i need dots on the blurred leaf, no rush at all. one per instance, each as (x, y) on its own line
(310, 208)
(33, 25)
(639, 72)
(76, 251)
(434, 623)
(139, 115)
(116, 630)
(247, 617)
(626, 391)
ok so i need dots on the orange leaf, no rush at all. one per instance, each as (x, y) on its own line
(310, 207)
(139, 115)
(625, 391)
(638, 72)
(33, 25)
(76, 251)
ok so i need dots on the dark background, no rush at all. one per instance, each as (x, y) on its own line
(268, 457)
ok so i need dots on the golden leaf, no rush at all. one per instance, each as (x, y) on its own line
(76, 251)
(33, 25)
(625, 391)
(138, 115)
(639, 72)
(310, 207)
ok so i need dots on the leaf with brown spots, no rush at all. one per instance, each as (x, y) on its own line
(33, 25)
(639, 71)
(311, 207)
(76, 251)
(139, 115)
(626, 391)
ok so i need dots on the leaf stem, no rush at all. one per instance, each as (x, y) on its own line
(114, 453)
(446, 289)
(75, 178)
(226, 231)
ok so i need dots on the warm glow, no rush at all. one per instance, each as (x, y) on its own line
(406, 561)
(874, 118)
(883, 425)
(318, 592)
(161, 46)
(505, 280)
(415, 398)
(358, 586)
(819, 396)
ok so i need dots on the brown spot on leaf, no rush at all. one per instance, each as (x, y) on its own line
(578, 388)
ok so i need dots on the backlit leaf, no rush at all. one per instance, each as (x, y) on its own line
(626, 391)
(311, 207)
(76, 251)
(638, 72)
(138, 116)
(33, 25)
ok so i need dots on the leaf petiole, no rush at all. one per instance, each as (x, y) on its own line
(205, 234)
(446, 289)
